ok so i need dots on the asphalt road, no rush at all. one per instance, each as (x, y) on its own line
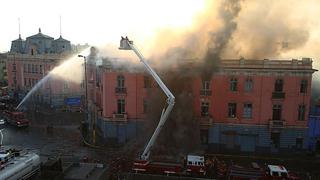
(61, 140)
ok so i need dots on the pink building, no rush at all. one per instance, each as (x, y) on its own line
(30, 60)
(248, 105)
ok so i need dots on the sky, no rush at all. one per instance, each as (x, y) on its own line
(96, 22)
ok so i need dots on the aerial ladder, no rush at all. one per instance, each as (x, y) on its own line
(126, 44)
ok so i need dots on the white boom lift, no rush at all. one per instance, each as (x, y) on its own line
(126, 44)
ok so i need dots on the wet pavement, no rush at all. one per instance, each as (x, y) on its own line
(62, 139)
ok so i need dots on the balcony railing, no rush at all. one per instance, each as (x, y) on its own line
(205, 92)
(278, 95)
(121, 90)
(277, 123)
(119, 117)
(205, 121)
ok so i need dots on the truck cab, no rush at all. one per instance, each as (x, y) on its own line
(16, 118)
(277, 172)
(195, 165)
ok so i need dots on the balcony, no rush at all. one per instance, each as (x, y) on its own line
(205, 92)
(205, 121)
(277, 123)
(119, 117)
(278, 95)
(121, 90)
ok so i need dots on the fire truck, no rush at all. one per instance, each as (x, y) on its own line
(16, 118)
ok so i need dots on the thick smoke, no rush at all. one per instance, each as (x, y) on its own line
(180, 134)
(240, 28)
(218, 40)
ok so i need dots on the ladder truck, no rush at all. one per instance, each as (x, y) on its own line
(194, 164)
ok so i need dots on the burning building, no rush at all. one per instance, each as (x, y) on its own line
(245, 105)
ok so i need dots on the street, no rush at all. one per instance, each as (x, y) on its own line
(58, 140)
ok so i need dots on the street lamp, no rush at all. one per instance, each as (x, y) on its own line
(86, 88)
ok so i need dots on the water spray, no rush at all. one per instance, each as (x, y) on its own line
(63, 71)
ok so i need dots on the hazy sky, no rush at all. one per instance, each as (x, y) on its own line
(95, 22)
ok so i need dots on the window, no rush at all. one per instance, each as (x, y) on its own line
(248, 86)
(205, 85)
(299, 143)
(146, 81)
(121, 106)
(40, 69)
(278, 85)
(204, 133)
(275, 139)
(301, 112)
(204, 109)
(232, 110)
(29, 68)
(276, 112)
(247, 110)
(14, 67)
(120, 81)
(66, 85)
(233, 84)
(25, 68)
(82, 84)
(25, 81)
(145, 106)
(32, 68)
(303, 86)
(36, 68)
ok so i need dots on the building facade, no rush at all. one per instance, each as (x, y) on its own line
(3, 70)
(314, 129)
(115, 101)
(31, 60)
(258, 105)
(247, 105)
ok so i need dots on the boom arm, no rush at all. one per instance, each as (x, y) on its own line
(125, 44)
